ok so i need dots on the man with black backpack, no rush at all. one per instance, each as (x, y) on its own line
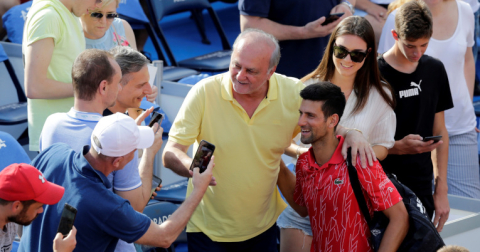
(323, 187)
(421, 88)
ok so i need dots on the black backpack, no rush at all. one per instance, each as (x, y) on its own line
(422, 234)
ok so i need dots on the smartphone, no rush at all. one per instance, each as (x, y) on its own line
(332, 17)
(156, 117)
(202, 157)
(156, 182)
(434, 138)
(66, 222)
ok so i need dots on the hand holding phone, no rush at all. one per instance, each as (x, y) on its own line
(156, 117)
(332, 18)
(66, 222)
(434, 138)
(156, 182)
(202, 157)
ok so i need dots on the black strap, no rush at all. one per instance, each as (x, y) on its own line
(357, 189)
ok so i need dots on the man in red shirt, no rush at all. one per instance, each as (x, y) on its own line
(323, 189)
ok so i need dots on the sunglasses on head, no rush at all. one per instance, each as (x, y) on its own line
(341, 52)
(99, 15)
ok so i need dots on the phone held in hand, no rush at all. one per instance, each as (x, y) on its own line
(156, 182)
(202, 157)
(66, 222)
(156, 117)
(331, 18)
(434, 138)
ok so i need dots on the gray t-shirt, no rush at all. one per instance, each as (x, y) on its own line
(7, 236)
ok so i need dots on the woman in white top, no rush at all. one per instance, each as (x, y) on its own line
(350, 63)
(451, 43)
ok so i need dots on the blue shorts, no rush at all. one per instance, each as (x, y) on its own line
(290, 219)
(264, 242)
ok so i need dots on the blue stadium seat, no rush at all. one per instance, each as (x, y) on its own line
(13, 21)
(13, 113)
(132, 12)
(215, 61)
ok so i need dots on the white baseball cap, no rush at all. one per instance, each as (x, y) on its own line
(117, 135)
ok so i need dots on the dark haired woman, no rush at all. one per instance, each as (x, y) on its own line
(350, 63)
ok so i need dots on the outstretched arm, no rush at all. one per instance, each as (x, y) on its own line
(165, 234)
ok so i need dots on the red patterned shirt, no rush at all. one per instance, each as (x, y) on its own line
(337, 222)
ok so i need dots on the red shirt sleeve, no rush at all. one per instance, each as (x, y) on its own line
(377, 186)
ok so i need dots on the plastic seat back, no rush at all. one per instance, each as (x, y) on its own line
(14, 20)
(215, 61)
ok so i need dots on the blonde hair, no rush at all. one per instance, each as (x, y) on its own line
(392, 6)
(105, 3)
(453, 248)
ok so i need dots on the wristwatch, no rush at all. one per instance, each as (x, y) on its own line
(347, 3)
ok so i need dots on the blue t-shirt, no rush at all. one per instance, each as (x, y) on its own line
(102, 218)
(299, 57)
(11, 151)
(75, 129)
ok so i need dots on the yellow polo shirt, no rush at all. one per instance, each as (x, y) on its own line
(51, 19)
(245, 202)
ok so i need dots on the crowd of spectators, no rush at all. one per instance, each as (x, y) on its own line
(378, 84)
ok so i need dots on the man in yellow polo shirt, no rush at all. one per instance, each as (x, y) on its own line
(52, 40)
(250, 114)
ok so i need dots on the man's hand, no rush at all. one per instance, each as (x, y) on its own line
(377, 11)
(442, 207)
(212, 182)
(342, 8)
(66, 244)
(143, 115)
(359, 145)
(204, 179)
(315, 28)
(413, 144)
(154, 194)
(152, 96)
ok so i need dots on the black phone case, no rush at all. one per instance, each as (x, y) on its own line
(209, 146)
(66, 223)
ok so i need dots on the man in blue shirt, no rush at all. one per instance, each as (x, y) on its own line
(96, 80)
(102, 216)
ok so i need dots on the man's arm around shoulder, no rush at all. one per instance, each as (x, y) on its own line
(286, 183)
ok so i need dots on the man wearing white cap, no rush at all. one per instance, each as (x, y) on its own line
(23, 192)
(102, 216)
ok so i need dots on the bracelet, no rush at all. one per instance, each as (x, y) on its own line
(350, 6)
(348, 130)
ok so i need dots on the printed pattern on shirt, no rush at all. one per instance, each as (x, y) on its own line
(336, 220)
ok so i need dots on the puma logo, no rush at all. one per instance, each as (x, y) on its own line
(412, 91)
(413, 84)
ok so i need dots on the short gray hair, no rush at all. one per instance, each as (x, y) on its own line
(129, 60)
(259, 34)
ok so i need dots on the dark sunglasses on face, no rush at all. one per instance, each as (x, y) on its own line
(100, 15)
(341, 52)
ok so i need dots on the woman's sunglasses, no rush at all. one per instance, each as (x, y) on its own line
(342, 52)
(99, 15)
